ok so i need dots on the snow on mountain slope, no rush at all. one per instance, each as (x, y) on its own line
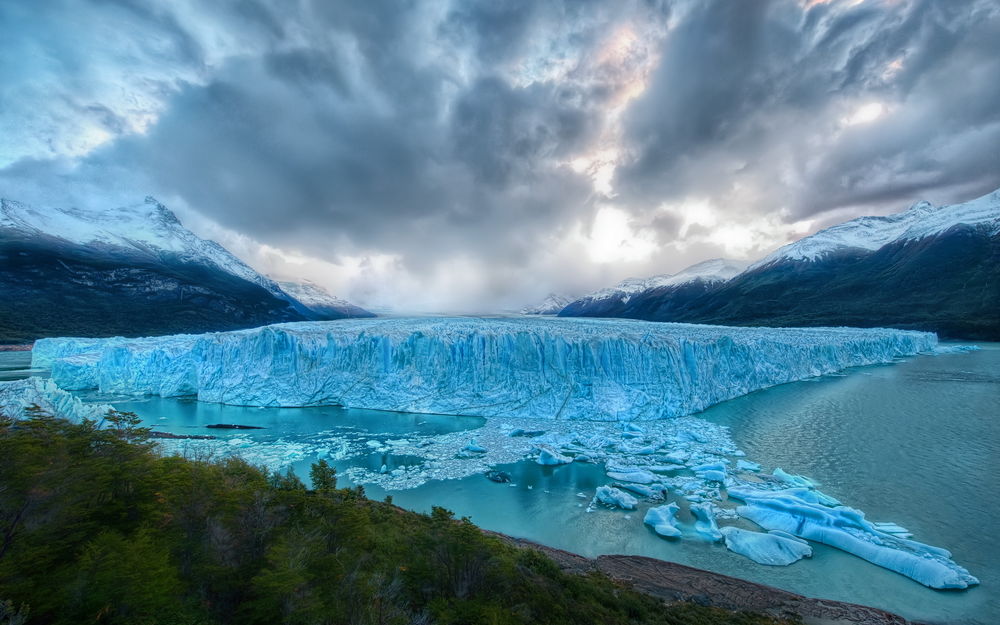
(871, 233)
(320, 301)
(149, 227)
(709, 271)
(526, 367)
(551, 305)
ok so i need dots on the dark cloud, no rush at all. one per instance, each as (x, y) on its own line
(463, 135)
(754, 95)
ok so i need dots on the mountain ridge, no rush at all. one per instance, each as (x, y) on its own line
(925, 268)
(129, 270)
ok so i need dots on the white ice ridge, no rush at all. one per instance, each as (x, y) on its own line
(591, 369)
(19, 395)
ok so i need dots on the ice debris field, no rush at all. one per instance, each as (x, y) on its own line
(556, 391)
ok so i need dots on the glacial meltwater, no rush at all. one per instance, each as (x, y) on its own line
(915, 443)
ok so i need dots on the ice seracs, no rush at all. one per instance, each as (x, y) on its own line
(17, 397)
(513, 367)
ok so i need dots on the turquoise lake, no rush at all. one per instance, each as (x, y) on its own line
(916, 443)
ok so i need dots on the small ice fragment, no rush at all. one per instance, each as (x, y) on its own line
(746, 465)
(663, 520)
(794, 480)
(550, 457)
(474, 447)
(613, 497)
(705, 523)
(712, 472)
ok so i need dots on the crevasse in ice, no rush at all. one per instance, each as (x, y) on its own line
(588, 369)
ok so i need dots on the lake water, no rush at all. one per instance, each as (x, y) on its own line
(916, 443)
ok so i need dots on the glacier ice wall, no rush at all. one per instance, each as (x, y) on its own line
(588, 369)
(18, 395)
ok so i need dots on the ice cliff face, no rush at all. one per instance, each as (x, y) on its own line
(18, 395)
(522, 367)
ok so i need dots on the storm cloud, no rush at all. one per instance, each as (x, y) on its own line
(476, 155)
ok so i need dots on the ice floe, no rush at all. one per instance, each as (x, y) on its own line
(773, 548)
(663, 520)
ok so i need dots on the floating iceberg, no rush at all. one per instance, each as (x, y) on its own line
(611, 496)
(705, 521)
(550, 457)
(663, 520)
(711, 472)
(587, 369)
(776, 548)
(794, 512)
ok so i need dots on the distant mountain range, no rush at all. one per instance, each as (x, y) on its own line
(680, 287)
(551, 305)
(321, 303)
(132, 271)
(928, 268)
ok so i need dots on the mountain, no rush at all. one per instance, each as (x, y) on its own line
(678, 288)
(926, 268)
(133, 270)
(551, 305)
(321, 304)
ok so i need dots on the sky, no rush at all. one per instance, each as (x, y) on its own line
(474, 156)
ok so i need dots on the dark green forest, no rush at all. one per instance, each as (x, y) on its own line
(96, 527)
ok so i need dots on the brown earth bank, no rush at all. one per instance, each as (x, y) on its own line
(670, 581)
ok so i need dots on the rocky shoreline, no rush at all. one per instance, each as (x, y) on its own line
(670, 581)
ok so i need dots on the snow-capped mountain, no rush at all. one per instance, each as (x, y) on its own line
(128, 270)
(551, 305)
(927, 268)
(920, 221)
(693, 280)
(149, 228)
(321, 303)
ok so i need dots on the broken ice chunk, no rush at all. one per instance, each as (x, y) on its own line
(663, 520)
(550, 457)
(774, 549)
(705, 521)
(611, 496)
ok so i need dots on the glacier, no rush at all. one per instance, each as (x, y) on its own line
(576, 369)
(18, 395)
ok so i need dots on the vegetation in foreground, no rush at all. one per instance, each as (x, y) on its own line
(95, 527)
